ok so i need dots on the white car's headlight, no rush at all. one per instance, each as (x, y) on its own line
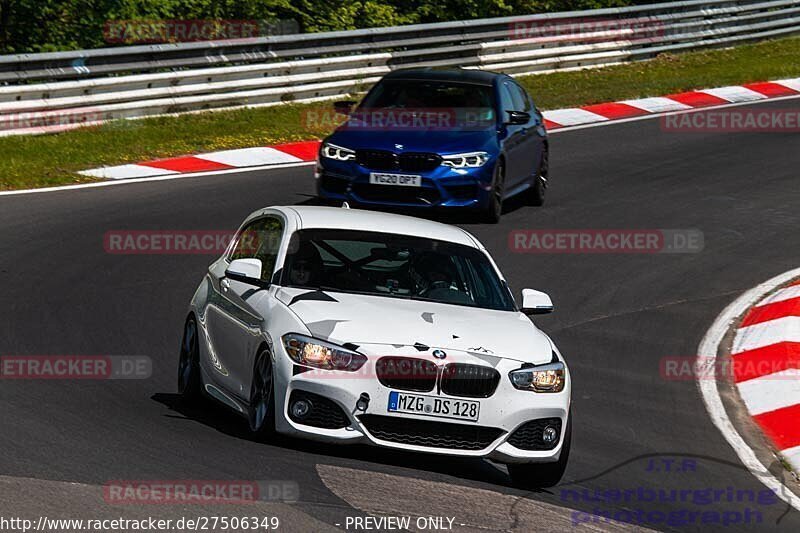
(542, 378)
(320, 354)
(331, 151)
(465, 160)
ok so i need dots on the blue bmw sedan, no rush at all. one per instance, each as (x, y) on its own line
(437, 139)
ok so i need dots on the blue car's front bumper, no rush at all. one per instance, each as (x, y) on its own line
(443, 186)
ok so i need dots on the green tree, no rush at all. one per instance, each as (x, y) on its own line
(46, 25)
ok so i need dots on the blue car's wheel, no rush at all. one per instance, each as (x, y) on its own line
(537, 190)
(494, 205)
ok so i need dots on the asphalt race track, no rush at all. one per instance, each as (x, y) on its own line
(616, 316)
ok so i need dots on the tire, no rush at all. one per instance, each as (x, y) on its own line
(529, 476)
(494, 208)
(190, 382)
(535, 194)
(261, 411)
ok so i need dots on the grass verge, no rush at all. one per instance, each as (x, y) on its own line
(46, 160)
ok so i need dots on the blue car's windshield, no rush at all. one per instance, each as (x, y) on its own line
(398, 266)
(418, 94)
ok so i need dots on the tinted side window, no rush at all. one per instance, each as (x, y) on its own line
(506, 101)
(260, 240)
(521, 97)
(518, 104)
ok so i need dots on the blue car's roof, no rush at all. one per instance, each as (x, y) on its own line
(479, 77)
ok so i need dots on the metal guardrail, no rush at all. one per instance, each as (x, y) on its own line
(52, 91)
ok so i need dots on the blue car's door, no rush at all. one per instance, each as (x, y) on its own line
(532, 136)
(512, 138)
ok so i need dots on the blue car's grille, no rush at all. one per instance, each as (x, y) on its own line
(377, 159)
(419, 162)
(408, 162)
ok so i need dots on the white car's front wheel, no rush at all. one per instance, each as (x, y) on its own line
(261, 411)
(189, 380)
(539, 475)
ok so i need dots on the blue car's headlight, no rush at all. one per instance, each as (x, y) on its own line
(331, 151)
(465, 160)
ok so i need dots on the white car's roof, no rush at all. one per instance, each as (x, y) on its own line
(362, 220)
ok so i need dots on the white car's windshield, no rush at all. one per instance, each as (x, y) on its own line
(398, 266)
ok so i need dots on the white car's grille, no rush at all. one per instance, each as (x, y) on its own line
(406, 373)
(421, 375)
(472, 381)
(430, 434)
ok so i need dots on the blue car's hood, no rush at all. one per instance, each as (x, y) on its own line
(416, 140)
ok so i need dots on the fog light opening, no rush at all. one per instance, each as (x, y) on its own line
(549, 435)
(301, 408)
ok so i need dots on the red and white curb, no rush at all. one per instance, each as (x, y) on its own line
(624, 109)
(297, 152)
(767, 335)
(766, 368)
(556, 119)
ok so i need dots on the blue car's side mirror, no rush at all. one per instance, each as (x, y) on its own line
(518, 117)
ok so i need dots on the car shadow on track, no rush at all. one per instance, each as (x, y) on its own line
(225, 421)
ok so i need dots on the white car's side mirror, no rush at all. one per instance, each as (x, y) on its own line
(245, 270)
(536, 302)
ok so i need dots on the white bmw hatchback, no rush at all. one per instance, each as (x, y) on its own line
(351, 326)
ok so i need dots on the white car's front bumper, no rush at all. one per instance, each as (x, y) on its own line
(503, 412)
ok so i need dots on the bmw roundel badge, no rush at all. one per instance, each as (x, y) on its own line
(439, 354)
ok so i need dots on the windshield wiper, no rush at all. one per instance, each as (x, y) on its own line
(366, 293)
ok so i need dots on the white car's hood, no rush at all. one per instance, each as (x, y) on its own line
(359, 319)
